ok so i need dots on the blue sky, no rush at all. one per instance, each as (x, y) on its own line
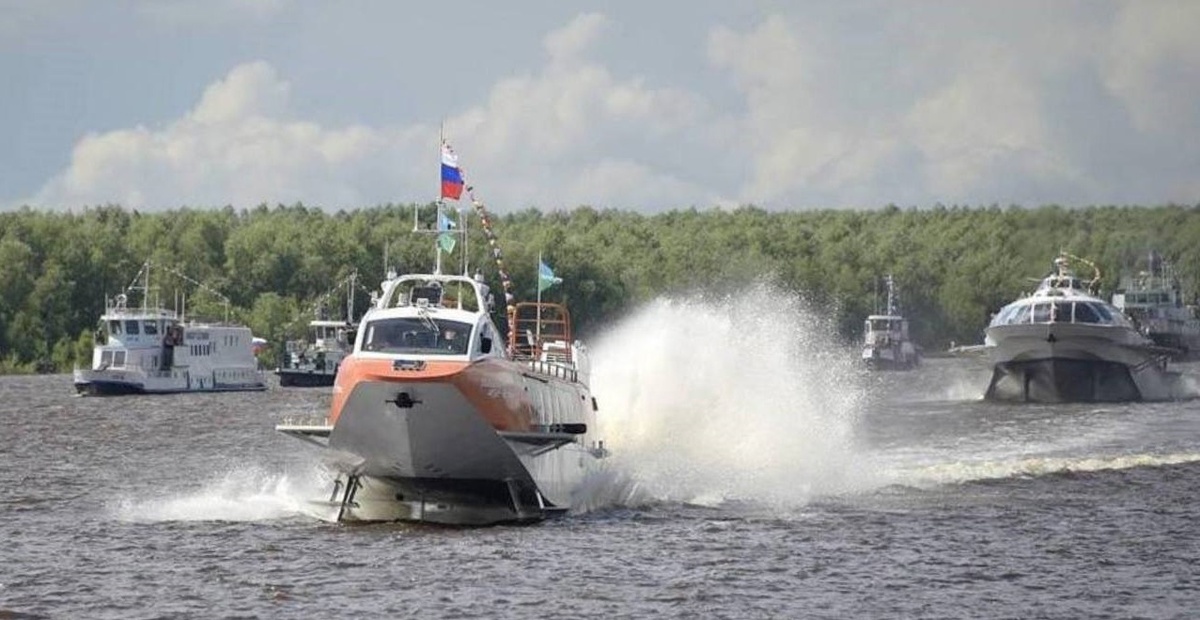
(647, 106)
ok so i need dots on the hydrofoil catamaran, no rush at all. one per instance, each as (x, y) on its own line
(1064, 344)
(437, 417)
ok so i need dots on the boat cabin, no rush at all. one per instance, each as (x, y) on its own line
(439, 315)
(1046, 310)
(881, 328)
(1065, 282)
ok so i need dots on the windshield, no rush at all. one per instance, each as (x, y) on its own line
(417, 335)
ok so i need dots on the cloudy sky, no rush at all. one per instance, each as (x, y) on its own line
(647, 106)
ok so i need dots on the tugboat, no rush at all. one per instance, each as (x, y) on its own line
(1064, 344)
(1154, 300)
(886, 342)
(437, 417)
(151, 350)
(314, 362)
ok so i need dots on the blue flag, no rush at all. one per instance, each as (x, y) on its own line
(546, 277)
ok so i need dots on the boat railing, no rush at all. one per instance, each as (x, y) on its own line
(554, 369)
(433, 291)
(540, 331)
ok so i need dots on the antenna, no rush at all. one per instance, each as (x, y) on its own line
(201, 286)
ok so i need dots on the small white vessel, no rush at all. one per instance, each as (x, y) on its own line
(314, 362)
(886, 343)
(1153, 299)
(151, 350)
(1064, 344)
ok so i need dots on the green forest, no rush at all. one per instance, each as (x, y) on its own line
(954, 265)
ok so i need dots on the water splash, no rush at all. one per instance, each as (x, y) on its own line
(1187, 384)
(742, 397)
(245, 493)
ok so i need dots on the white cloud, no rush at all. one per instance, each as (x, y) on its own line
(252, 90)
(1153, 65)
(567, 43)
(804, 143)
(556, 138)
(963, 104)
(574, 133)
(982, 123)
(826, 107)
(235, 147)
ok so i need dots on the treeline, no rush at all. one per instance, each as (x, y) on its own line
(954, 265)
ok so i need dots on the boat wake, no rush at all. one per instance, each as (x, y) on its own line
(1028, 467)
(248, 493)
(743, 397)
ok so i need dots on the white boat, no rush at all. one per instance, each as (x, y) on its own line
(437, 417)
(1064, 344)
(886, 343)
(151, 350)
(314, 362)
(1154, 300)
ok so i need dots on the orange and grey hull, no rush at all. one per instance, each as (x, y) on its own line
(451, 446)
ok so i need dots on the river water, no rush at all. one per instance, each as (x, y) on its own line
(745, 482)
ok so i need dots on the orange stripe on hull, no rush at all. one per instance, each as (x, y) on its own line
(494, 387)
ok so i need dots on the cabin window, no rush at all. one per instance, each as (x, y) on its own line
(106, 358)
(1105, 315)
(131, 327)
(1021, 315)
(417, 335)
(149, 328)
(1085, 313)
(1041, 313)
(119, 359)
(1061, 312)
(114, 328)
(1001, 318)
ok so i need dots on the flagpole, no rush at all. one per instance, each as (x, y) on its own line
(538, 323)
(463, 222)
(437, 248)
(437, 225)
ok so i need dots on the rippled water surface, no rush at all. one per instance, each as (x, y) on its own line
(852, 495)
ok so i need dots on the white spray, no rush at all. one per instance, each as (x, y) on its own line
(746, 397)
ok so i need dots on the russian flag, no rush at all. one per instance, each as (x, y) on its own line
(452, 182)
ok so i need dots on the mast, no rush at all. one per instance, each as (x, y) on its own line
(891, 300)
(350, 297)
(437, 222)
(146, 290)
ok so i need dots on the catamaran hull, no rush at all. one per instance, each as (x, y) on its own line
(1063, 380)
(1056, 363)
(421, 451)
